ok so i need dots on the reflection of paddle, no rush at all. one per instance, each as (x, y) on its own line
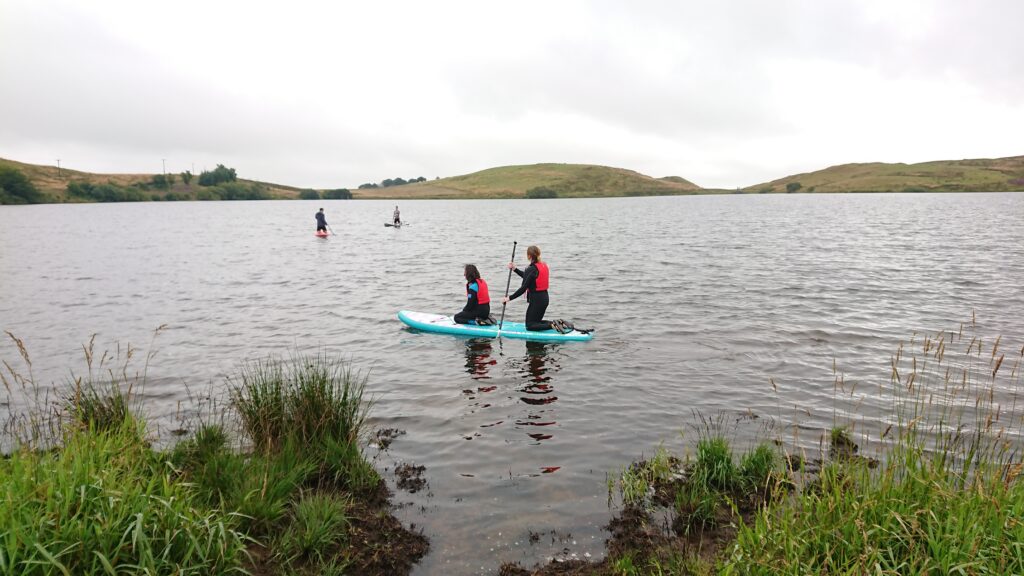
(507, 284)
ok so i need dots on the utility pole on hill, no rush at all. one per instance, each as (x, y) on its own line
(164, 160)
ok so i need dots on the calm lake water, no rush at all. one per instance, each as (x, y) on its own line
(697, 302)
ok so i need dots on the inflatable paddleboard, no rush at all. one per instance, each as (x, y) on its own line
(321, 234)
(442, 324)
(392, 225)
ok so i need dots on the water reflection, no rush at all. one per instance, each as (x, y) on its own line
(478, 358)
(537, 369)
(478, 365)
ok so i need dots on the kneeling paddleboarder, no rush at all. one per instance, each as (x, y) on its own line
(535, 284)
(478, 299)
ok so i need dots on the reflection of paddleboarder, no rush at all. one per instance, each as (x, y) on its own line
(539, 392)
(538, 360)
(478, 360)
(321, 221)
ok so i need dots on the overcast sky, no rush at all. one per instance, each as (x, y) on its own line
(333, 94)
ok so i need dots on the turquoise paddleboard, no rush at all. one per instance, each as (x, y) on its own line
(445, 325)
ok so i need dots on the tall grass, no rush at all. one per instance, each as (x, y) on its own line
(313, 403)
(946, 497)
(309, 398)
(93, 496)
(103, 504)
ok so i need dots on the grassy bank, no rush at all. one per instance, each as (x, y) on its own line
(941, 492)
(93, 497)
(978, 175)
(561, 180)
(51, 184)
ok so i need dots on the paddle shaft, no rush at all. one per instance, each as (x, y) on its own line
(331, 229)
(507, 284)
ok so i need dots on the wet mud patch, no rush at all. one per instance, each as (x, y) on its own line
(385, 436)
(380, 545)
(681, 517)
(409, 477)
(375, 543)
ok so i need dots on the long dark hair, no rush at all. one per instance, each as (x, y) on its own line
(472, 274)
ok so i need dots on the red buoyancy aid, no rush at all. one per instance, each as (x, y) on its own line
(542, 275)
(483, 296)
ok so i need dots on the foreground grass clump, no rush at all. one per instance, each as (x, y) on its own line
(304, 491)
(312, 404)
(104, 503)
(300, 498)
(941, 492)
(946, 497)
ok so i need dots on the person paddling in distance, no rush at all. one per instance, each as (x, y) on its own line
(321, 221)
(397, 217)
(478, 299)
(535, 284)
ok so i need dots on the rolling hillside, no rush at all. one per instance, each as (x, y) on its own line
(566, 180)
(53, 183)
(982, 175)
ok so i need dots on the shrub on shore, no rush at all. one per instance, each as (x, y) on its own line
(541, 192)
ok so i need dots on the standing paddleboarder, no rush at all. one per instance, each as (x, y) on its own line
(321, 221)
(397, 217)
(535, 284)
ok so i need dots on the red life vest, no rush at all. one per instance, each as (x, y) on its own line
(542, 275)
(483, 296)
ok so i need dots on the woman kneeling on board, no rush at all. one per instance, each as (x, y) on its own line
(535, 284)
(478, 299)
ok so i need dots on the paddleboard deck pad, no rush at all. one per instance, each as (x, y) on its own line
(442, 324)
(321, 234)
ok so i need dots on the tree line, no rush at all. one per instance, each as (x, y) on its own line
(388, 182)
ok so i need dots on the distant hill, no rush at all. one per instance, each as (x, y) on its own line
(982, 175)
(566, 180)
(53, 183)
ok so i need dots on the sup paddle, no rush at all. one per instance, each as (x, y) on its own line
(331, 229)
(507, 284)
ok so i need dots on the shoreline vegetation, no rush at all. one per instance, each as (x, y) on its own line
(22, 183)
(941, 493)
(278, 484)
(275, 484)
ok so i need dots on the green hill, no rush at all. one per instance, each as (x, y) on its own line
(982, 175)
(566, 180)
(52, 183)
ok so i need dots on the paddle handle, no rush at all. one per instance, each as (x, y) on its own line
(507, 284)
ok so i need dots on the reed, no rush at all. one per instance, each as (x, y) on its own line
(308, 397)
(92, 496)
(103, 504)
(314, 403)
(945, 497)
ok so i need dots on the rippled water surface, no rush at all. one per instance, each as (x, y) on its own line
(697, 302)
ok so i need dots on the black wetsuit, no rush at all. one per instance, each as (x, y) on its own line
(473, 309)
(538, 299)
(321, 222)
